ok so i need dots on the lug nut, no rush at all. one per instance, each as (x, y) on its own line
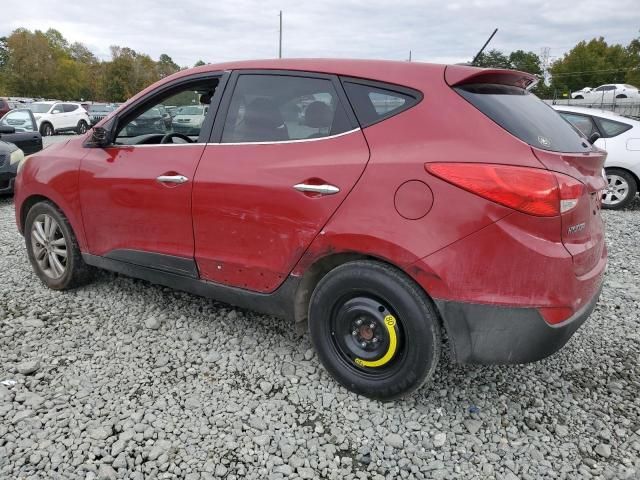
(374, 339)
(363, 344)
(354, 333)
(359, 322)
(372, 326)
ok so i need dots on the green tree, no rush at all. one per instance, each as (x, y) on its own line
(493, 59)
(632, 75)
(166, 66)
(590, 64)
(199, 63)
(525, 62)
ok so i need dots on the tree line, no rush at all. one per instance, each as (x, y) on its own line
(588, 64)
(44, 64)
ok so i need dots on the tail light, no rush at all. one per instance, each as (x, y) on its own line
(529, 190)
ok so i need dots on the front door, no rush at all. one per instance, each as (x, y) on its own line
(287, 153)
(136, 194)
(23, 130)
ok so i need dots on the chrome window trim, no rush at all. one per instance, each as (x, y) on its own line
(301, 140)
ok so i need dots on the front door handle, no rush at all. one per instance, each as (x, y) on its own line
(324, 189)
(172, 179)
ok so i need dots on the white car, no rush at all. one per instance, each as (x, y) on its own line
(188, 119)
(607, 93)
(620, 137)
(56, 117)
(581, 93)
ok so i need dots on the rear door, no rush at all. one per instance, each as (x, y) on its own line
(70, 115)
(25, 131)
(286, 150)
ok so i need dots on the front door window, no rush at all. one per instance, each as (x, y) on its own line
(179, 116)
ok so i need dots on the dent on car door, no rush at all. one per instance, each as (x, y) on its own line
(281, 161)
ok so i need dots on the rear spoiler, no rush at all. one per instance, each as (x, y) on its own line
(456, 75)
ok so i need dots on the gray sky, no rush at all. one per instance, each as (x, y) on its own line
(435, 30)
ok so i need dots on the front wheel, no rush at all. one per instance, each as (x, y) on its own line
(53, 249)
(374, 329)
(621, 189)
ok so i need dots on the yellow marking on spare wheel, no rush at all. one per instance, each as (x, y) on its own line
(390, 322)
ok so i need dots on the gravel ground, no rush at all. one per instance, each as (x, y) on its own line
(122, 379)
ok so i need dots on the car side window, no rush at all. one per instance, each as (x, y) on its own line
(21, 120)
(57, 109)
(373, 103)
(151, 121)
(68, 107)
(581, 122)
(276, 108)
(611, 128)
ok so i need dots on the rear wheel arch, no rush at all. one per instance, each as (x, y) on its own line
(322, 266)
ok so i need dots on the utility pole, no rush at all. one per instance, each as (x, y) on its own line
(280, 42)
(409, 55)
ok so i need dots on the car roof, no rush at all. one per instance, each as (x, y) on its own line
(409, 74)
(595, 112)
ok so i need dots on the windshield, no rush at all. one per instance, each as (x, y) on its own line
(190, 111)
(525, 116)
(40, 107)
(100, 108)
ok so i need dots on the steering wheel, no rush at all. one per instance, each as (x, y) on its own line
(168, 138)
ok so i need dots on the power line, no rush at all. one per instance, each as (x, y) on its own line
(596, 71)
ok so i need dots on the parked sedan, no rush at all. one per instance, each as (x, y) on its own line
(620, 137)
(363, 213)
(188, 120)
(607, 93)
(19, 127)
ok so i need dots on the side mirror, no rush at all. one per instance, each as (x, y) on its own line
(7, 129)
(594, 137)
(99, 138)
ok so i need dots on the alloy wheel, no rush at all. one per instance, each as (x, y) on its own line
(616, 191)
(49, 246)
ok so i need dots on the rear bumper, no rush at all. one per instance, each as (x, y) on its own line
(489, 334)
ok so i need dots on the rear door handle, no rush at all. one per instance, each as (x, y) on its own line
(324, 189)
(172, 179)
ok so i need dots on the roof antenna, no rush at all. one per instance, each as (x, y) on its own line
(475, 59)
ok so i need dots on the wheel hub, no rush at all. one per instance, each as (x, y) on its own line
(364, 333)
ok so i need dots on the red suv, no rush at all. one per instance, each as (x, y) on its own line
(378, 202)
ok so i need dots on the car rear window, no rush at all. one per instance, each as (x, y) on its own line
(525, 116)
(374, 102)
(611, 128)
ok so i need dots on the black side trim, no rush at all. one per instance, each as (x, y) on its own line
(489, 334)
(278, 303)
(158, 261)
